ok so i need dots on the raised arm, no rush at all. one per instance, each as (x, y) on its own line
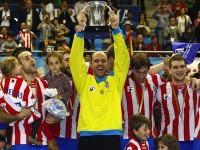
(76, 61)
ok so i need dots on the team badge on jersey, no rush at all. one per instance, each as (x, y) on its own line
(166, 96)
(107, 84)
(92, 88)
(130, 88)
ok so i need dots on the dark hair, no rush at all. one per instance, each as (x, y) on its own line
(140, 60)
(154, 36)
(129, 11)
(176, 57)
(137, 121)
(87, 53)
(169, 141)
(110, 51)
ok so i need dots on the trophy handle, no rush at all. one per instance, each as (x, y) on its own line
(85, 8)
(109, 10)
(108, 7)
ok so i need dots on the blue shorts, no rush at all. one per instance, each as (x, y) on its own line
(151, 143)
(186, 145)
(29, 147)
(66, 143)
(196, 144)
(3, 126)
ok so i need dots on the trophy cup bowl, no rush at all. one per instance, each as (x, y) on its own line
(96, 20)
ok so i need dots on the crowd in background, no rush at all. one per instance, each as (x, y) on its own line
(140, 87)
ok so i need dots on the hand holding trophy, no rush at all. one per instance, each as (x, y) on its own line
(95, 11)
(114, 20)
(81, 21)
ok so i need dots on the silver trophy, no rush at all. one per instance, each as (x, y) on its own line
(96, 10)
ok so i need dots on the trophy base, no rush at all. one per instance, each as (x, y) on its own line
(97, 32)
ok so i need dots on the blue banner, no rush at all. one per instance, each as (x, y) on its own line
(187, 50)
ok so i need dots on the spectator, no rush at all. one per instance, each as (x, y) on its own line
(177, 6)
(62, 31)
(140, 127)
(164, 2)
(154, 46)
(3, 35)
(139, 45)
(9, 45)
(130, 19)
(197, 20)
(143, 20)
(167, 142)
(129, 33)
(162, 15)
(30, 16)
(171, 34)
(26, 37)
(7, 17)
(64, 14)
(184, 24)
(51, 45)
(87, 56)
(64, 47)
(46, 29)
(46, 8)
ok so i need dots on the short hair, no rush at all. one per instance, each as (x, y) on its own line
(176, 57)
(54, 54)
(137, 121)
(87, 53)
(154, 36)
(140, 60)
(169, 141)
(7, 65)
(110, 51)
(19, 50)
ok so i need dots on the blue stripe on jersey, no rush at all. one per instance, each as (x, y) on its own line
(106, 132)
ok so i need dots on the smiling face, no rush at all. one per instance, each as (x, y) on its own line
(99, 64)
(142, 133)
(178, 71)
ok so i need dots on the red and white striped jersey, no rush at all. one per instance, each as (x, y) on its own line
(17, 94)
(26, 36)
(132, 94)
(178, 110)
(67, 128)
(134, 145)
(17, 88)
(197, 125)
(22, 130)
